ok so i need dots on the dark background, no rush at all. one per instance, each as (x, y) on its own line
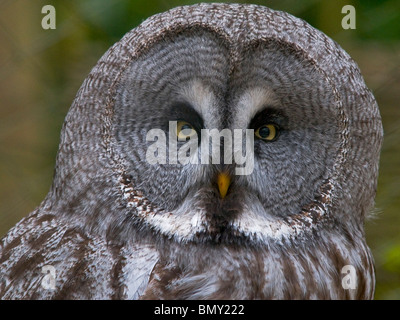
(41, 71)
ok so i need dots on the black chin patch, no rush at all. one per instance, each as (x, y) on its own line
(220, 213)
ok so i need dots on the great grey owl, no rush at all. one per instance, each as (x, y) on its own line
(124, 219)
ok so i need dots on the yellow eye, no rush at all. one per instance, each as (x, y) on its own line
(267, 132)
(184, 130)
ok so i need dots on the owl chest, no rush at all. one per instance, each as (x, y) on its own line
(220, 279)
(246, 274)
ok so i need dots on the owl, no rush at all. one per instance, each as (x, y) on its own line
(217, 151)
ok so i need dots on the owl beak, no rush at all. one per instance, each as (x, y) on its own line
(223, 181)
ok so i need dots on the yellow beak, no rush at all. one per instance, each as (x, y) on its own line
(223, 181)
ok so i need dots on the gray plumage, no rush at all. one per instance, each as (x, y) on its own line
(116, 227)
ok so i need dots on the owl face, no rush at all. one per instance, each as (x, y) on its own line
(200, 80)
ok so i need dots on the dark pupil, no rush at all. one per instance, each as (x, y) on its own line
(186, 127)
(264, 132)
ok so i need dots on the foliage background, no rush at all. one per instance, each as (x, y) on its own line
(41, 71)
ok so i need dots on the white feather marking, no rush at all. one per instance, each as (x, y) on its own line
(186, 222)
(253, 101)
(202, 99)
(137, 269)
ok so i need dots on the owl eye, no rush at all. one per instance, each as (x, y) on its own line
(184, 130)
(267, 132)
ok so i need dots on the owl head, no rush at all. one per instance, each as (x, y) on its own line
(275, 91)
(218, 151)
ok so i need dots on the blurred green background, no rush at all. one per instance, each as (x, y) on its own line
(41, 71)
